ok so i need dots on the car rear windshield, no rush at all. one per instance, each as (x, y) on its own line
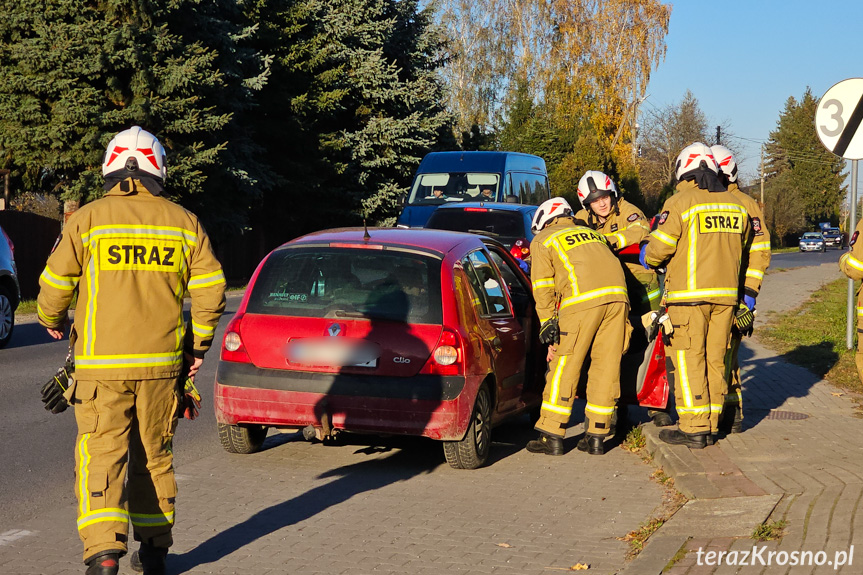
(349, 283)
(491, 222)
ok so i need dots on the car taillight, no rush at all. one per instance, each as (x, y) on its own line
(9, 241)
(476, 209)
(232, 346)
(447, 357)
(520, 249)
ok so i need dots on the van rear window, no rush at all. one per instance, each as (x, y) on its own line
(349, 283)
(496, 223)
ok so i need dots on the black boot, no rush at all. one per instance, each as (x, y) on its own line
(104, 563)
(660, 418)
(593, 444)
(149, 560)
(547, 444)
(690, 440)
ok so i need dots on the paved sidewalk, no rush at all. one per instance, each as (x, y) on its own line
(387, 507)
(801, 442)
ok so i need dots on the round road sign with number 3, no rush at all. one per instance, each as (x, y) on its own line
(838, 119)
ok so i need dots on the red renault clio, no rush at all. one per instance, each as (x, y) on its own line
(394, 331)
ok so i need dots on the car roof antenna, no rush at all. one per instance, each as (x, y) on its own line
(366, 235)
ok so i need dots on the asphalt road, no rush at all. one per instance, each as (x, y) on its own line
(37, 463)
(804, 259)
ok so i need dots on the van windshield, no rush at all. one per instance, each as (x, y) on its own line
(435, 189)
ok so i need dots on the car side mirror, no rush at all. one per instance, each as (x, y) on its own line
(401, 200)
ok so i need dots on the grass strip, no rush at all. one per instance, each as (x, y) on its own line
(813, 336)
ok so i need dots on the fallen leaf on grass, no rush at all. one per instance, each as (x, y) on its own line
(504, 545)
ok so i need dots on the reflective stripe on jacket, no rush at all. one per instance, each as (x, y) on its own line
(702, 236)
(754, 266)
(625, 226)
(132, 257)
(574, 266)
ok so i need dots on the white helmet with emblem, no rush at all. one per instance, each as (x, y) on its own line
(549, 210)
(694, 157)
(135, 150)
(726, 162)
(593, 185)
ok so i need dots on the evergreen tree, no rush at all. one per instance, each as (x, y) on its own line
(795, 152)
(353, 105)
(75, 73)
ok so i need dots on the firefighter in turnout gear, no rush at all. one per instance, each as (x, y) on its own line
(701, 237)
(582, 304)
(851, 264)
(132, 256)
(754, 265)
(623, 225)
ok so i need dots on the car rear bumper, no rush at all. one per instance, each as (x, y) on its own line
(428, 405)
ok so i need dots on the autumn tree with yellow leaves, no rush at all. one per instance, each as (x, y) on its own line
(582, 65)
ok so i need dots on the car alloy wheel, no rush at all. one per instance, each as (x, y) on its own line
(7, 318)
(472, 451)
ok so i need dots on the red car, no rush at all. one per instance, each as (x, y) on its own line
(401, 331)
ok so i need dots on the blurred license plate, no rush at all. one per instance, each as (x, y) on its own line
(333, 352)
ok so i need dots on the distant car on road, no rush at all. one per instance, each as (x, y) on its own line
(812, 242)
(832, 237)
(507, 223)
(10, 294)
(409, 331)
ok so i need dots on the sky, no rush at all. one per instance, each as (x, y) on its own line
(762, 52)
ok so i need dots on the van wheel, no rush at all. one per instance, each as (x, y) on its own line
(242, 438)
(7, 317)
(472, 451)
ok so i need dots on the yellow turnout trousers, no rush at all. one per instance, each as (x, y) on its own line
(120, 422)
(734, 398)
(606, 329)
(858, 357)
(697, 351)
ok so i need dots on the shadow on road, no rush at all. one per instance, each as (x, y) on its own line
(27, 334)
(763, 393)
(350, 480)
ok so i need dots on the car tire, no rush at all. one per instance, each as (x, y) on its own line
(7, 317)
(242, 438)
(472, 451)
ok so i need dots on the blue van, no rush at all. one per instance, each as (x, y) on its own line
(444, 177)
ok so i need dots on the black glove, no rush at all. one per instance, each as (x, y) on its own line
(744, 320)
(549, 332)
(52, 392)
(191, 398)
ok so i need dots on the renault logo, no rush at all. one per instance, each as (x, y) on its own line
(334, 330)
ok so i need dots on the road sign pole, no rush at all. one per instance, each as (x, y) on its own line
(852, 226)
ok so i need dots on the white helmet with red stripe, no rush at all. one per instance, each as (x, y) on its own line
(726, 162)
(548, 210)
(593, 185)
(694, 157)
(135, 150)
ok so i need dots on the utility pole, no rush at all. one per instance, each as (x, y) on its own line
(762, 177)
(718, 135)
